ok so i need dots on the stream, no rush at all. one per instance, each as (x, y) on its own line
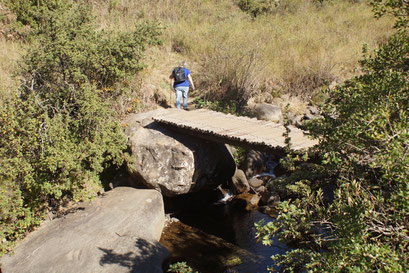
(213, 236)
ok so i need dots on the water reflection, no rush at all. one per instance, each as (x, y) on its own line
(220, 237)
(245, 238)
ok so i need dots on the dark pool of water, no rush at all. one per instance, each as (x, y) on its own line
(215, 237)
(245, 238)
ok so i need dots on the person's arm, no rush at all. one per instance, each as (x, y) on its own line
(191, 81)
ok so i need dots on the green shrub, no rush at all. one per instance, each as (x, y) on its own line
(59, 132)
(257, 7)
(31, 12)
(180, 267)
(361, 223)
(72, 52)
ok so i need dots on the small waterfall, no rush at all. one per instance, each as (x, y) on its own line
(227, 196)
(269, 170)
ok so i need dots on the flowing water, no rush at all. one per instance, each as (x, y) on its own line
(217, 237)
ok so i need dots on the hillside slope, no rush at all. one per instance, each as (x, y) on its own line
(298, 48)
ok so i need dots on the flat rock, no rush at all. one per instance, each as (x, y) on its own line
(247, 200)
(118, 232)
(255, 182)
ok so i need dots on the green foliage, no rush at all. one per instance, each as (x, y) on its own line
(180, 267)
(229, 107)
(239, 155)
(59, 133)
(399, 9)
(260, 7)
(361, 224)
(72, 52)
(257, 7)
(31, 12)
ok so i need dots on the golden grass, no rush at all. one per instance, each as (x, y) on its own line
(10, 53)
(296, 50)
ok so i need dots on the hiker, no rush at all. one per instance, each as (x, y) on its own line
(181, 79)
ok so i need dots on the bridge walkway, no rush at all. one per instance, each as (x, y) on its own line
(230, 129)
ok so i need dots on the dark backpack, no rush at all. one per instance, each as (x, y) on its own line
(179, 74)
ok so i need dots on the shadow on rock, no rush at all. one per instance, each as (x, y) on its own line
(145, 259)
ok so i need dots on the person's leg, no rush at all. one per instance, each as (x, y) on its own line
(178, 97)
(185, 93)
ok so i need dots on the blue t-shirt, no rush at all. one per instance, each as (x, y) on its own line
(186, 82)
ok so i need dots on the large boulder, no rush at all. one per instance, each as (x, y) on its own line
(118, 232)
(253, 163)
(239, 182)
(174, 163)
(270, 112)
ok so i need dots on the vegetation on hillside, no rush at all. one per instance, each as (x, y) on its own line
(60, 128)
(297, 49)
(59, 131)
(350, 212)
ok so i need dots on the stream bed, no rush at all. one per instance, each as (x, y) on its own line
(216, 237)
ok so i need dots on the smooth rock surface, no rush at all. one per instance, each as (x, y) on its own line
(269, 112)
(118, 232)
(255, 182)
(254, 163)
(239, 182)
(174, 163)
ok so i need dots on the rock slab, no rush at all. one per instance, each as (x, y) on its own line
(118, 232)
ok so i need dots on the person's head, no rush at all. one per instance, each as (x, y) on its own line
(183, 64)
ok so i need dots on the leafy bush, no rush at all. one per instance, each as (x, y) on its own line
(60, 133)
(361, 223)
(257, 7)
(30, 13)
(180, 267)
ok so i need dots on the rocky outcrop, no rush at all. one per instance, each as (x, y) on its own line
(118, 232)
(174, 163)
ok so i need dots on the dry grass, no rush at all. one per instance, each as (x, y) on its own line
(295, 51)
(10, 53)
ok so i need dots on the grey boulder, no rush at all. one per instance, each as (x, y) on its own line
(118, 232)
(239, 182)
(269, 112)
(174, 163)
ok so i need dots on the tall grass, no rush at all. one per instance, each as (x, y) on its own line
(298, 49)
(10, 52)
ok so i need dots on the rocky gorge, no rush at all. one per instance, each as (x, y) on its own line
(120, 230)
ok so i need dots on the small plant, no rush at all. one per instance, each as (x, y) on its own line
(239, 155)
(257, 7)
(180, 267)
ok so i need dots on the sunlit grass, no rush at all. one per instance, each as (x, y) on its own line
(10, 53)
(297, 50)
